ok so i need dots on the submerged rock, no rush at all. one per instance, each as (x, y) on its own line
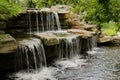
(7, 43)
(48, 38)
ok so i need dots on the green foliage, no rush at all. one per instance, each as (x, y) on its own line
(110, 32)
(109, 25)
(9, 8)
(92, 11)
(110, 28)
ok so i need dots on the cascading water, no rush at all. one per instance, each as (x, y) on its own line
(49, 21)
(32, 54)
(37, 22)
(68, 47)
(57, 20)
(92, 47)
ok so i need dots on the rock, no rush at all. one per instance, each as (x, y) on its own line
(77, 27)
(89, 27)
(74, 16)
(82, 33)
(64, 15)
(116, 39)
(48, 38)
(2, 32)
(7, 43)
(105, 39)
(85, 36)
(46, 10)
(79, 31)
(60, 9)
(75, 23)
(2, 25)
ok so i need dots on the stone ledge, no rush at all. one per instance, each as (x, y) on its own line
(7, 43)
(48, 38)
(82, 33)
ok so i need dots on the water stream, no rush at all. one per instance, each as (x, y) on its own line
(45, 21)
(105, 66)
(30, 55)
(99, 63)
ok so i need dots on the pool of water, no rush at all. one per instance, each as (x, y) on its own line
(102, 64)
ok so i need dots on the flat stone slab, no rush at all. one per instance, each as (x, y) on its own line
(7, 43)
(48, 38)
(87, 26)
(105, 39)
(82, 33)
(116, 39)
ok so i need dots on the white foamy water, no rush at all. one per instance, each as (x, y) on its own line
(42, 74)
(31, 53)
(51, 73)
(73, 63)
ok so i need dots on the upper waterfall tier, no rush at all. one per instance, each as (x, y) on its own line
(42, 20)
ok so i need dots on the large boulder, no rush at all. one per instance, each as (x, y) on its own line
(48, 38)
(7, 43)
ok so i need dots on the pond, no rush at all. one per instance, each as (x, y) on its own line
(104, 64)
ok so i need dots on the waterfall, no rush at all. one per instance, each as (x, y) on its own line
(57, 20)
(37, 22)
(69, 47)
(92, 49)
(29, 21)
(32, 54)
(44, 21)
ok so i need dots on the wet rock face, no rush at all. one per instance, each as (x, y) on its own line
(7, 43)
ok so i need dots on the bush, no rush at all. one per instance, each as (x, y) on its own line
(110, 28)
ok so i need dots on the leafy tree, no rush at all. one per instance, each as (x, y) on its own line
(9, 8)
